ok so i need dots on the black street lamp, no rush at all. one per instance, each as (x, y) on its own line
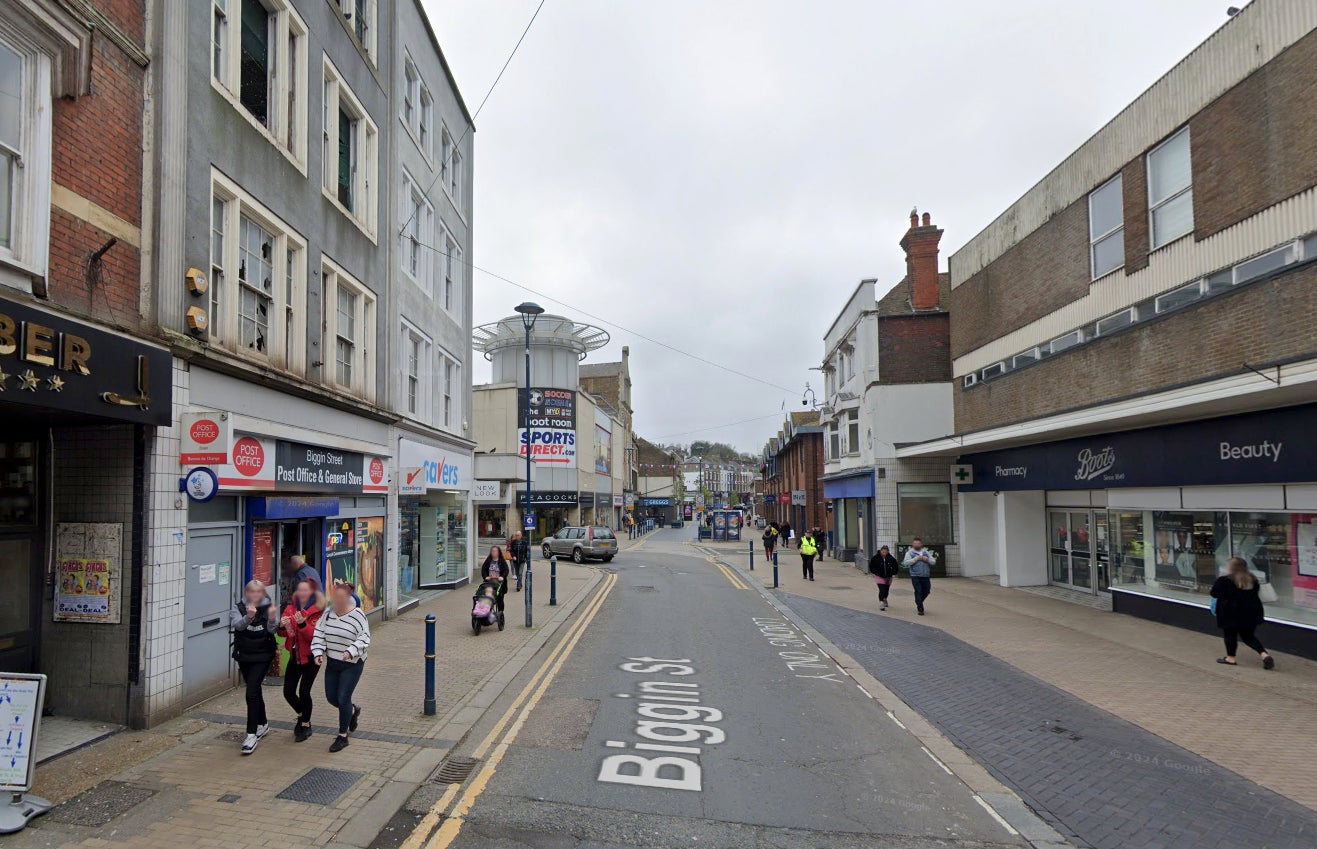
(529, 313)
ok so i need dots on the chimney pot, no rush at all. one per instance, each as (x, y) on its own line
(921, 260)
(914, 218)
(928, 219)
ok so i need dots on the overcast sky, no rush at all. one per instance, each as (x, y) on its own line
(718, 175)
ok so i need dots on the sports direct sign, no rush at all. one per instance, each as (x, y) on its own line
(548, 445)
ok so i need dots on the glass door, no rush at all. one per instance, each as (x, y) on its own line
(1101, 551)
(1073, 554)
(1081, 550)
(1058, 547)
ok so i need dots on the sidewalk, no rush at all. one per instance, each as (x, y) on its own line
(185, 783)
(1160, 678)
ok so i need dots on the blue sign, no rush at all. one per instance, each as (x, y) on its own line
(655, 502)
(291, 507)
(530, 521)
(201, 484)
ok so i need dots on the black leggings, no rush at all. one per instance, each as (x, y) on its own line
(884, 590)
(1235, 635)
(252, 675)
(298, 678)
(807, 566)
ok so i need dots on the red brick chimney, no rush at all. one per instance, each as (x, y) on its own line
(920, 246)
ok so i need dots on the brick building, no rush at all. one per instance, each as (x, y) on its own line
(1141, 354)
(887, 376)
(792, 472)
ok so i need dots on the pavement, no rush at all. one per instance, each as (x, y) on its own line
(185, 782)
(1119, 731)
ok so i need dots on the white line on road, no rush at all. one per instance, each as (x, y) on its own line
(938, 761)
(866, 692)
(892, 717)
(993, 812)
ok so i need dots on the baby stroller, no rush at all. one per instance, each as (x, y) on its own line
(484, 610)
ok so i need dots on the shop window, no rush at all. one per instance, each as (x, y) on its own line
(18, 484)
(350, 151)
(924, 510)
(258, 61)
(1170, 190)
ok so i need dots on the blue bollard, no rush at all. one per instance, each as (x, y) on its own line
(553, 581)
(529, 592)
(752, 555)
(774, 570)
(429, 665)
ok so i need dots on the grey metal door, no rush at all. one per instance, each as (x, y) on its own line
(212, 568)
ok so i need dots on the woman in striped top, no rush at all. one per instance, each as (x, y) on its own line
(340, 642)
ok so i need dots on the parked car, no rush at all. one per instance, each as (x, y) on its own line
(593, 541)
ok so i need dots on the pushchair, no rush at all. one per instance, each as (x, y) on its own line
(484, 610)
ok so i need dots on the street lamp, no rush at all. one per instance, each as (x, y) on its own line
(529, 312)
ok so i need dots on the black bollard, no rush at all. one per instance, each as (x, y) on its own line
(752, 555)
(429, 665)
(553, 581)
(774, 570)
(529, 584)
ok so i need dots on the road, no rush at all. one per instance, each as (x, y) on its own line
(685, 711)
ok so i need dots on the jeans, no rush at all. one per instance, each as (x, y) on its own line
(1235, 635)
(298, 678)
(252, 675)
(517, 566)
(923, 586)
(341, 679)
(807, 566)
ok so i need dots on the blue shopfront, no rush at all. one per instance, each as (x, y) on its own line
(850, 498)
(658, 508)
(1152, 515)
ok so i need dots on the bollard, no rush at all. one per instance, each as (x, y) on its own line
(752, 555)
(553, 581)
(774, 570)
(529, 584)
(429, 665)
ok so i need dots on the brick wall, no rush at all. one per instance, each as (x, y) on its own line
(1258, 324)
(914, 348)
(1046, 270)
(802, 466)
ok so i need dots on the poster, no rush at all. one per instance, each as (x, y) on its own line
(370, 561)
(263, 554)
(20, 698)
(88, 580)
(341, 551)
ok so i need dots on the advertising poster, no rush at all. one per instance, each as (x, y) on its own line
(263, 554)
(84, 588)
(720, 525)
(341, 551)
(370, 561)
(87, 583)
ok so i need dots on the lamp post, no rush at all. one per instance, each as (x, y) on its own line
(529, 313)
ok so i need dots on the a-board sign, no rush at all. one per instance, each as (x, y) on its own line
(21, 698)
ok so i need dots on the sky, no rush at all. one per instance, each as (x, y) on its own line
(717, 175)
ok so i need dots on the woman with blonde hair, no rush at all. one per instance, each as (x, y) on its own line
(1238, 607)
(340, 642)
(253, 621)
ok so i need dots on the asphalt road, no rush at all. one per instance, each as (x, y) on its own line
(768, 743)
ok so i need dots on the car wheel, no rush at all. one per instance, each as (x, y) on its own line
(608, 558)
(578, 556)
(547, 552)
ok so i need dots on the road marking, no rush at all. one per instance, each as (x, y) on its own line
(423, 828)
(730, 575)
(938, 761)
(866, 692)
(892, 717)
(998, 817)
(526, 700)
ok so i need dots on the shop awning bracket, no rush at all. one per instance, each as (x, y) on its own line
(1260, 373)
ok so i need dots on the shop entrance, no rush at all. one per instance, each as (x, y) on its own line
(273, 546)
(1078, 549)
(20, 560)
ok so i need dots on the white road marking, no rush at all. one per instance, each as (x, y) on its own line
(892, 716)
(937, 761)
(998, 817)
(866, 692)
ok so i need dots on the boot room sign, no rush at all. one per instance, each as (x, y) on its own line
(52, 362)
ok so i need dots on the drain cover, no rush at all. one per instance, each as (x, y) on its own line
(454, 770)
(319, 786)
(644, 589)
(102, 803)
(230, 798)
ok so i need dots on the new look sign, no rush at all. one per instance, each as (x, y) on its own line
(1233, 450)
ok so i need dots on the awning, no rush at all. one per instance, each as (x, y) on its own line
(849, 486)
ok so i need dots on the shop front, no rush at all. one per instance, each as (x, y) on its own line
(851, 495)
(553, 510)
(658, 508)
(434, 510)
(78, 406)
(494, 524)
(1151, 516)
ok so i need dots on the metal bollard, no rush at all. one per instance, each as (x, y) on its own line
(429, 665)
(553, 581)
(529, 584)
(774, 570)
(752, 555)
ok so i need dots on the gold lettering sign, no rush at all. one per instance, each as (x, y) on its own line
(36, 343)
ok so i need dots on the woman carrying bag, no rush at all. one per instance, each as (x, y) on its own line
(884, 568)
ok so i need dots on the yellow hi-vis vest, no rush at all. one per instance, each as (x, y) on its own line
(807, 545)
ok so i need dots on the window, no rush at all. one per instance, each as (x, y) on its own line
(1170, 189)
(853, 432)
(1106, 228)
(349, 152)
(1180, 297)
(449, 368)
(418, 233)
(350, 327)
(266, 75)
(360, 15)
(452, 259)
(25, 158)
(417, 105)
(416, 370)
(841, 370)
(423, 131)
(924, 510)
(1119, 321)
(834, 441)
(257, 280)
(450, 169)
(1069, 340)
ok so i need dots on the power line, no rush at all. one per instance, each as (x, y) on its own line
(470, 125)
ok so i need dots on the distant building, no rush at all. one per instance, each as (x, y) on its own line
(661, 483)
(793, 472)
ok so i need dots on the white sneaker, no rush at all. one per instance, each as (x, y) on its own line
(249, 744)
(262, 730)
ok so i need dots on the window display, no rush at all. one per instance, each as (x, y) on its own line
(924, 510)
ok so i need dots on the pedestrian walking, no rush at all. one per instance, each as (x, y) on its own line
(1237, 602)
(884, 568)
(821, 541)
(496, 567)
(298, 626)
(341, 639)
(770, 541)
(919, 561)
(787, 534)
(807, 551)
(253, 621)
(303, 571)
(519, 551)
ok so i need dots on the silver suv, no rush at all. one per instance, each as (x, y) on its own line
(581, 543)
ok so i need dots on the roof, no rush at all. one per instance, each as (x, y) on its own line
(804, 417)
(600, 369)
(897, 301)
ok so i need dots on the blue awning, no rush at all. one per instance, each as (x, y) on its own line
(851, 486)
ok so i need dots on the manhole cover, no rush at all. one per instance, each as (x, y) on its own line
(644, 589)
(102, 803)
(454, 770)
(230, 798)
(319, 786)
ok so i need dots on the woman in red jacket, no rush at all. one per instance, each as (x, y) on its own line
(298, 625)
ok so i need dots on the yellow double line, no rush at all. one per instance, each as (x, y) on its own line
(730, 575)
(426, 834)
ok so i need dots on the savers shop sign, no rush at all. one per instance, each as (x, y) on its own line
(260, 463)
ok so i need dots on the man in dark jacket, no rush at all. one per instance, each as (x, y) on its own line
(519, 551)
